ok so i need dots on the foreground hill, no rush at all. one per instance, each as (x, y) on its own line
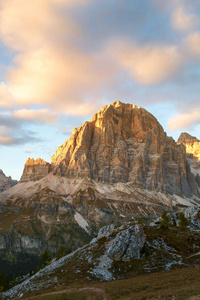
(117, 253)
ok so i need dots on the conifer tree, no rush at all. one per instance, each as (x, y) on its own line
(45, 258)
(183, 221)
(62, 251)
(165, 222)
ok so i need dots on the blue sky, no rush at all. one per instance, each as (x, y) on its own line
(59, 66)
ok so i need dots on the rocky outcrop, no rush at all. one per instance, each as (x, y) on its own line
(35, 169)
(125, 143)
(106, 230)
(6, 182)
(191, 143)
(127, 244)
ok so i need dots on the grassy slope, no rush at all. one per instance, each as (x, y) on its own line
(163, 285)
(135, 284)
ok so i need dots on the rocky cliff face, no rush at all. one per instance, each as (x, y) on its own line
(125, 143)
(191, 143)
(35, 169)
(6, 182)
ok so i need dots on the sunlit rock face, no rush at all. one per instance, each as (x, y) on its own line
(35, 169)
(191, 143)
(6, 182)
(125, 143)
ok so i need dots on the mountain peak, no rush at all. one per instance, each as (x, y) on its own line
(191, 143)
(35, 169)
(185, 138)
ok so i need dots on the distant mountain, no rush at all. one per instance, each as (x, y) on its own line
(191, 143)
(6, 182)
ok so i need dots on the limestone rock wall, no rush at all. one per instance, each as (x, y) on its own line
(191, 143)
(35, 169)
(125, 143)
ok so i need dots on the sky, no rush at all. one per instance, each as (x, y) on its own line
(62, 60)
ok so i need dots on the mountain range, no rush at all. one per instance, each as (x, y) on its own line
(114, 169)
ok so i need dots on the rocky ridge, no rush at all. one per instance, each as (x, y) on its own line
(122, 143)
(56, 210)
(6, 182)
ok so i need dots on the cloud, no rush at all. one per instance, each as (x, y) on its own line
(46, 70)
(39, 115)
(63, 62)
(29, 151)
(193, 43)
(6, 97)
(185, 120)
(12, 131)
(148, 65)
(29, 24)
(183, 21)
(53, 77)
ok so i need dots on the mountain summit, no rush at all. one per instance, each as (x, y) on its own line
(121, 143)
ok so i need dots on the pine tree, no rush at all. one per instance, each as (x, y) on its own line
(165, 222)
(45, 258)
(183, 221)
(62, 251)
(139, 221)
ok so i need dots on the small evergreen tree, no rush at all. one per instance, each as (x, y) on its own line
(139, 221)
(45, 258)
(62, 251)
(165, 222)
(183, 221)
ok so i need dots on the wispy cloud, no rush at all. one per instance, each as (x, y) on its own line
(40, 115)
(184, 120)
(12, 132)
(193, 43)
(6, 97)
(183, 20)
(148, 65)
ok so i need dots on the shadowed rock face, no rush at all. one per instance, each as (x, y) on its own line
(6, 182)
(35, 169)
(125, 143)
